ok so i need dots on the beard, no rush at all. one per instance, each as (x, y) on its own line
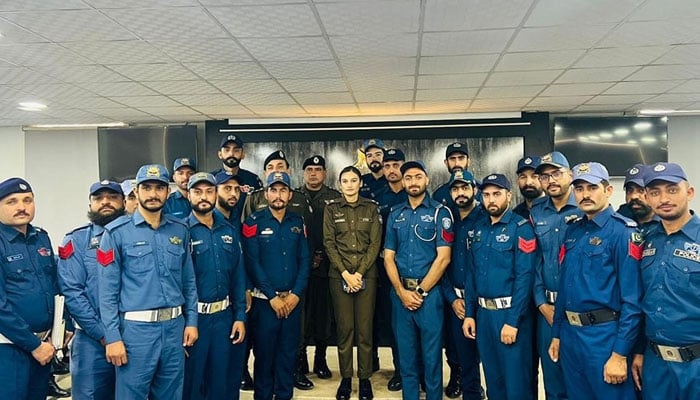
(202, 207)
(375, 166)
(419, 193)
(530, 192)
(498, 211)
(231, 162)
(464, 203)
(643, 210)
(223, 203)
(278, 205)
(101, 219)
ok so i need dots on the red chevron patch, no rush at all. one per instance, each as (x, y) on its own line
(105, 257)
(527, 246)
(636, 250)
(64, 252)
(249, 231)
(562, 253)
(448, 236)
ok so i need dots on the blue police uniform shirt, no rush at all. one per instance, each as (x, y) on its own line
(643, 227)
(28, 285)
(276, 253)
(387, 198)
(600, 270)
(78, 277)
(550, 227)
(454, 276)
(442, 195)
(416, 234)
(671, 282)
(218, 263)
(371, 186)
(504, 255)
(145, 269)
(177, 205)
(250, 183)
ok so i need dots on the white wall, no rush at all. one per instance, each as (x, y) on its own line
(684, 149)
(61, 166)
(12, 159)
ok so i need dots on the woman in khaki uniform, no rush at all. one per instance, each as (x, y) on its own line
(352, 236)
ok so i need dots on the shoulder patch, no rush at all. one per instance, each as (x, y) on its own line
(66, 251)
(527, 246)
(105, 258)
(249, 230)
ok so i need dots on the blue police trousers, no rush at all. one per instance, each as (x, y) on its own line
(155, 367)
(275, 343)
(92, 377)
(419, 335)
(583, 352)
(507, 367)
(22, 377)
(468, 358)
(553, 376)
(668, 380)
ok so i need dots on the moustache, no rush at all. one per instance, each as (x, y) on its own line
(154, 199)
(21, 214)
(204, 202)
(107, 208)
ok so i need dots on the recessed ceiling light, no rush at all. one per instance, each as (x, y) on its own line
(642, 126)
(648, 139)
(606, 135)
(655, 112)
(557, 128)
(631, 141)
(621, 132)
(31, 106)
(65, 126)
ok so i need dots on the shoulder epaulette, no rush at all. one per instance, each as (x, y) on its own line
(118, 222)
(628, 222)
(80, 228)
(522, 222)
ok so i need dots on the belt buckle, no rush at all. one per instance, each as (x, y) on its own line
(670, 353)
(216, 307)
(491, 304)
(165, 314)
(574, 318)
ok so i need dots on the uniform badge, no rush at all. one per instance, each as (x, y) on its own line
(249, 230)
(44, 252)
(584, 169)
(692, 247)
(659, 168)
(634, 171)
(636, 246)
(153, 171)
(502, 238)
(175, 240)
(94, 242)
(595, 241)
(648, 252)
(426, 218)
(296, 229)
(228, 239)
(22, 186)
(64, 252)
(528, 161)
(446, 223)
(105, 257)
(570, 218)
(527, 246)
(363, 219)
(15, 257)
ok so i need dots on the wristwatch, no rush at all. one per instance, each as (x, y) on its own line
(421, 292)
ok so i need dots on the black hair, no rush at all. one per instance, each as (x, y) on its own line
(350, 168)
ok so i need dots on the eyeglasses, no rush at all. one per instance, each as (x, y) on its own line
(556, 175)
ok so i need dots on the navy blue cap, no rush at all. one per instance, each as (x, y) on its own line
(275, 155)
(555, 159)
(661, 171)
(109, 185)
(12, 186)
(462, 176)
(456, 147)
(279, 177)
(499, 180)
(636, 175)
(184, 162)
(528, 162)
(152, 172)
(315, 160)
(393, 155)
(201, 177)
(231, 138)
(413, 164)
(591, 172)
(225, 176)
(372, 143)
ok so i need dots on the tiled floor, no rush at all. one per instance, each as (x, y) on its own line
(325, 389)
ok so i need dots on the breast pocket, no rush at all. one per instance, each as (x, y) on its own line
(686, 274)
(426, 231)
(139, 259)
(19, 278)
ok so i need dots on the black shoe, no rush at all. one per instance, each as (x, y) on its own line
(366, 390)
(453, 389)
(344, 389)
(321, 368)
(301, 382)
(55, 390)
(60, 366)
(395, 384)
(246, 381)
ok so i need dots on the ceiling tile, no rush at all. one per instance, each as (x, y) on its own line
(675, 98)
(302, 69)
(585, 75)
(39, 54)
(565, 37)
(522, 78)
(385, 82)
(681, 54)
(396, 45)
(288, 49)
(140, 3)
(501, 104)
(450, 81)
(55, 90)
(379, 66)
(458, 43)
(605, 108)
(13, 34)
(362, 17)
(441, 106)
(386, 108)
(92, 103)
(120, 52)
(204, 100)
(252, 99)
(277, 110)
(538, 60)
(182, 87)
(118, 89)
(620, 56)
(332, 109)
(554, 12)
(247, 2)
(219, 110)
(154, 72)
(120, 112)
(562, 101)
(576, 89)
(21, 75)
(169, 110)
(445, 94)
(145, 101)
(20, 5)
(202, 50)
(248, 86)
(651, 33)
(383, 96)
(81, 73)
(224, 71)
(323, 98)
(314, 85)
(691, 86)
(651, 105)
(70, 25)
(662, 9)
(282, 20)
(457, 15)
(509, 91)
(168, 23)
(457, 64)
(646, 87)
(666, 72)
(619, 99)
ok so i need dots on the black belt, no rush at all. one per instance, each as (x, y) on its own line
(592, 317)
(676, 354)
(410, 283)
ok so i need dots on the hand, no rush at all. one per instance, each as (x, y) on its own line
(410, 299)
(116, 354)
(248, 300)
(637, 363)
(237, 332)
(547, 310)
(554, 350)
(291, 300)
(353, 281)
(279, 307)
(458, 308)
(190, 336)
(469, 328)
(44, 353)
(509, 334)
(615, 370)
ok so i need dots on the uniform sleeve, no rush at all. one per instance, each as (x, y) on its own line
(329, 240)
(110, 283)
(526, 256)
(627, 258)
(445, 228)
(372, 252)
(390, 239)
(251, 250)
(304, 263)
(189, 286)
(238, 283)
(72, 280)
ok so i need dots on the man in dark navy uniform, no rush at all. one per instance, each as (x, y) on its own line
(636, 206)
(130, 201)
(373, 181)
(178, 205)
(277, 259)
(27, 288)
(528, 184)
(456, 159)
(228, 195)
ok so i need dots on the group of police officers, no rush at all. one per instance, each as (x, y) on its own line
(168, 293)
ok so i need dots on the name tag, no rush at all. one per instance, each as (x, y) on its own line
(15, 257)
(267, 231)
(648, 252)
(339, 220)
(197, 242)
(686, 254)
